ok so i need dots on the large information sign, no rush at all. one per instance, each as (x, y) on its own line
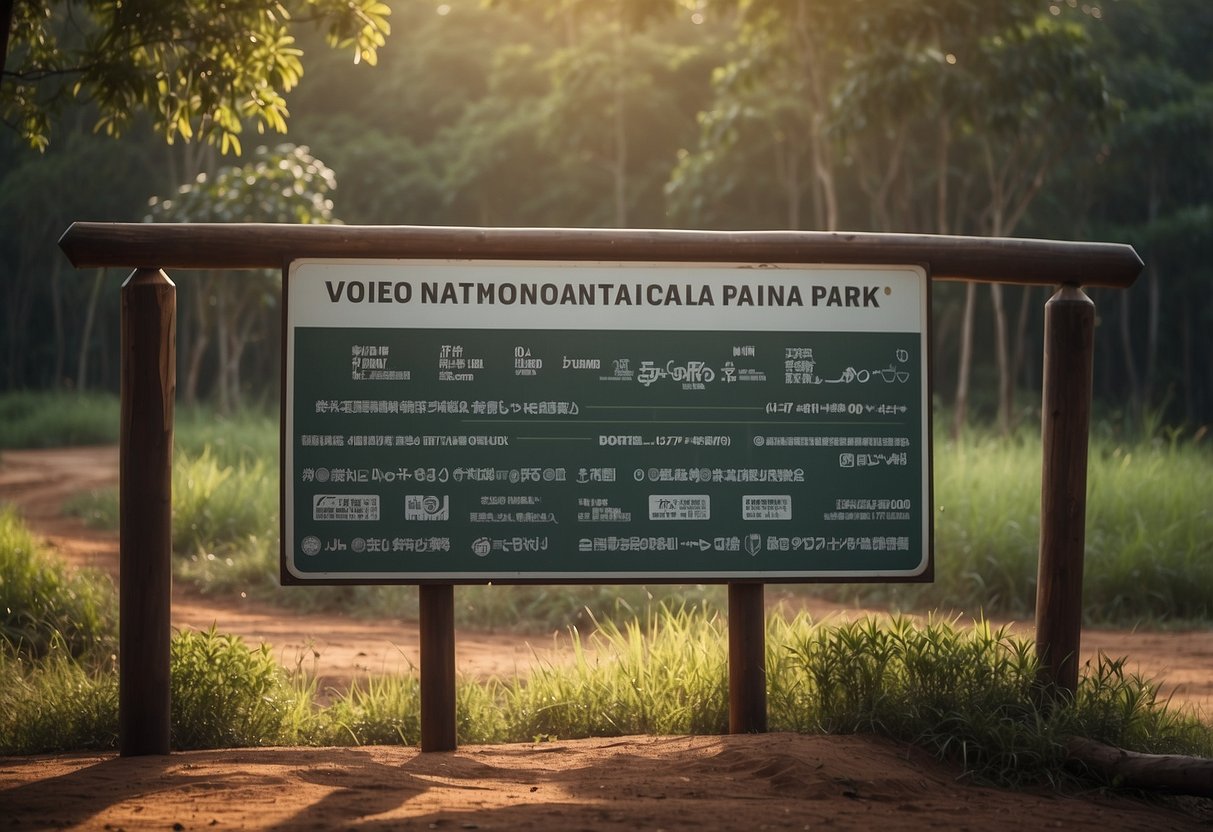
(551, 421)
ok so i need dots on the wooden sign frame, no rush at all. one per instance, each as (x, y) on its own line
(149, 383)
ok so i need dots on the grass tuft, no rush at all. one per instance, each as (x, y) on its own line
(970, 696)
(382, 710)
(56, 704)
(226, 694)
(667, 675)
(44, 608)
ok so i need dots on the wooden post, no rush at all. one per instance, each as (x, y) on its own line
(747, 660)
(1065, 423)
(437, 666)
(149, 386)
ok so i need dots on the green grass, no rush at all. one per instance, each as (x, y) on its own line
(968, 695)
(225, 539)
(55, 704)
(1149, 539)
(667, 675)
(58, 687)
(228, 695)
(1149, 543)
(384, 710)
(55, 419)
(44, 608)
(250, 436)
(52, 420)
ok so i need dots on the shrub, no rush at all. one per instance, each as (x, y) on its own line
(225, 694)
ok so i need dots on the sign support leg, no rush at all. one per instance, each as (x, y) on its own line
(149, 385)
(437, 666)
(1065, 424)
(747, 660)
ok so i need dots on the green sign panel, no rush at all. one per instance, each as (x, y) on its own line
(558, 422)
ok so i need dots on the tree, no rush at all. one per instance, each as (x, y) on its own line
(281, 184)
(1008, 88)
(604, 92)
(197, 68)
(1148, 182)
(46, 315)
(1045, 95)
(906, 103)
(769, 117)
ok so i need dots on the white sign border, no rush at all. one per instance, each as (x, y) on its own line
(396, 316)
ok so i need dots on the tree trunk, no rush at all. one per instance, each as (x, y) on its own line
(1001, 355)
(223, 342)
(1189, 375)
(1126, 349)
(621, 161)
(86, 332)
(941, 172)
(621, 131)
(199, 341)
(1170, 773)
(6, 23)
(108, 374)
(1154, 298)
(1020, 348)
(829, 194)
(241, 336)
(815, 192)
(791, 180)
(60, 336)
(1154, 307)
(960, 411)
(189, 391)
(17, 309)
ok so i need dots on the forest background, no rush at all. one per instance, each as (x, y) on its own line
(1062, 120)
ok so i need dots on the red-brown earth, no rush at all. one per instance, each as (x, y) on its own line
(776, 781)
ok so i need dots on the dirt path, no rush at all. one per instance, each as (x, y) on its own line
(341, 648)
(773, 781)
(338, 648)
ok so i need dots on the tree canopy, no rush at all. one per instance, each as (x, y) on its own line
(1048, 118)
(196, 68)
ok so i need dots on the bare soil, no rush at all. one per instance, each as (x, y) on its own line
(776, 781)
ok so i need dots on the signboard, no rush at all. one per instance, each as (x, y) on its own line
(551, 421)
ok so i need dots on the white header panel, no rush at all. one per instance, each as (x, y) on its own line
(583, 295)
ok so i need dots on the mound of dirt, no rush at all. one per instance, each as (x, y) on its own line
(777, 781)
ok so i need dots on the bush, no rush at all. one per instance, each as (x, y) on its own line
(226, 695)
(970, 696)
